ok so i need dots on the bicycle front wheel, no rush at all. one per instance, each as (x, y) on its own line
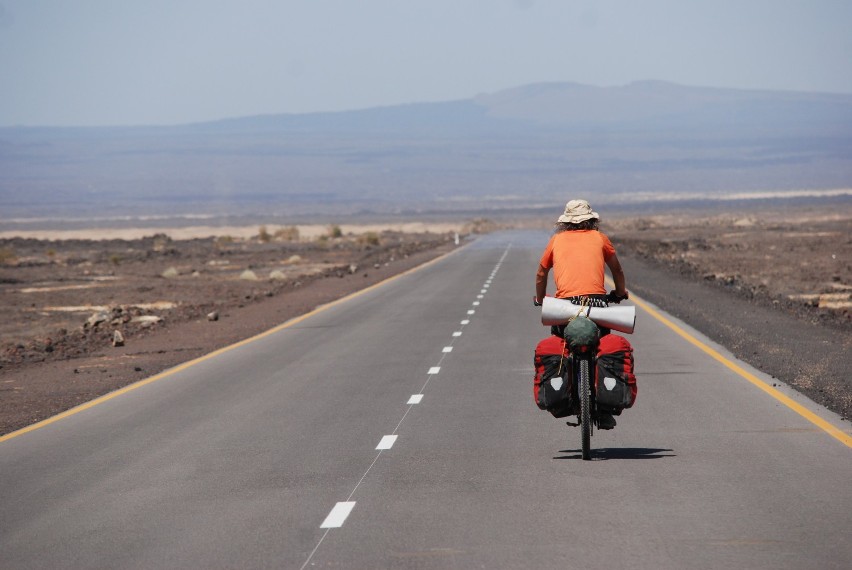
(585, 408)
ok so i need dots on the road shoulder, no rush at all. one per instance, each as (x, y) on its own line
(809, 357)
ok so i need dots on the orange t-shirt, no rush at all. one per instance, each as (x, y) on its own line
(577, 259)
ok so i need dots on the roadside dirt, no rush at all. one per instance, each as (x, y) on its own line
(65, 300)
(775, 288)
(801, 264)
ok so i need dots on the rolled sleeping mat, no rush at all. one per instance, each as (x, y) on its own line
(621, 318)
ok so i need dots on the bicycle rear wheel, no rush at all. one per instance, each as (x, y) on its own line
(585, 408)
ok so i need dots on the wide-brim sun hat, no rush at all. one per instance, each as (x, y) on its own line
(577, 211)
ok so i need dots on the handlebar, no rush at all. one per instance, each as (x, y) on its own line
(613, 297)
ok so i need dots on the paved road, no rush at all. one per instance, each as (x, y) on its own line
(266, 456)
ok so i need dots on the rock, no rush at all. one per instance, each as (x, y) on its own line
(294, 259)
(744, 222)
(196, 274)
(248, 275)
(146, 320)
(277, 275)
(170, 273)
(213, 316)
(352, 268)
(97, 319)
(117, 338)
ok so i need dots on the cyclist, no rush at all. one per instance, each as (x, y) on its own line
(577, 252)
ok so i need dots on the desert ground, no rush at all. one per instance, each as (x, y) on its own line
(799, 260)
(180, 293)
(773, 285)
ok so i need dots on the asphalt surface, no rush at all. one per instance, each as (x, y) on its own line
(265, 456)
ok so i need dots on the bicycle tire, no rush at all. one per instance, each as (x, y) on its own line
(585, 408)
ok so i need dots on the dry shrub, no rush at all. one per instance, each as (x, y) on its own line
(7, 256)
(480, 226)
(289, 233)
(161, 242)
(224, 240)
(263, 235)
(369, 238)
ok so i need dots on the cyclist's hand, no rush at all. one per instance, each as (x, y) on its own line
(614, 297)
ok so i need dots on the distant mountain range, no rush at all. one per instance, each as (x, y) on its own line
(535, 145)
(572, 106)
(657, 104)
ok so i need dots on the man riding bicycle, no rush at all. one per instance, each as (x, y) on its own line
(577, 253)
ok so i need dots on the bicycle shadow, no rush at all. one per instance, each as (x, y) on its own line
(607, 453)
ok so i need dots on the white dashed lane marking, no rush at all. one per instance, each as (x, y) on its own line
(338, 515)
(386, 442)
(341, 510)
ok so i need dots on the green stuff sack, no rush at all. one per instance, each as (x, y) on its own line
(580, 332)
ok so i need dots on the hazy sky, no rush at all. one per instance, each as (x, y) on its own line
(108, 62)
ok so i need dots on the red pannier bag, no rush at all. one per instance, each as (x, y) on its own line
(615, 382)
(552, 381)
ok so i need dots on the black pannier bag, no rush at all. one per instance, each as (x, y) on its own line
(552, 382)
(615, 383)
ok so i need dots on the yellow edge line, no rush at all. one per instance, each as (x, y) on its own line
(190, 363)
(830, 429)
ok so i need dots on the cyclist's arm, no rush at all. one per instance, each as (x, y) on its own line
(617, 275)
(541, 283)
